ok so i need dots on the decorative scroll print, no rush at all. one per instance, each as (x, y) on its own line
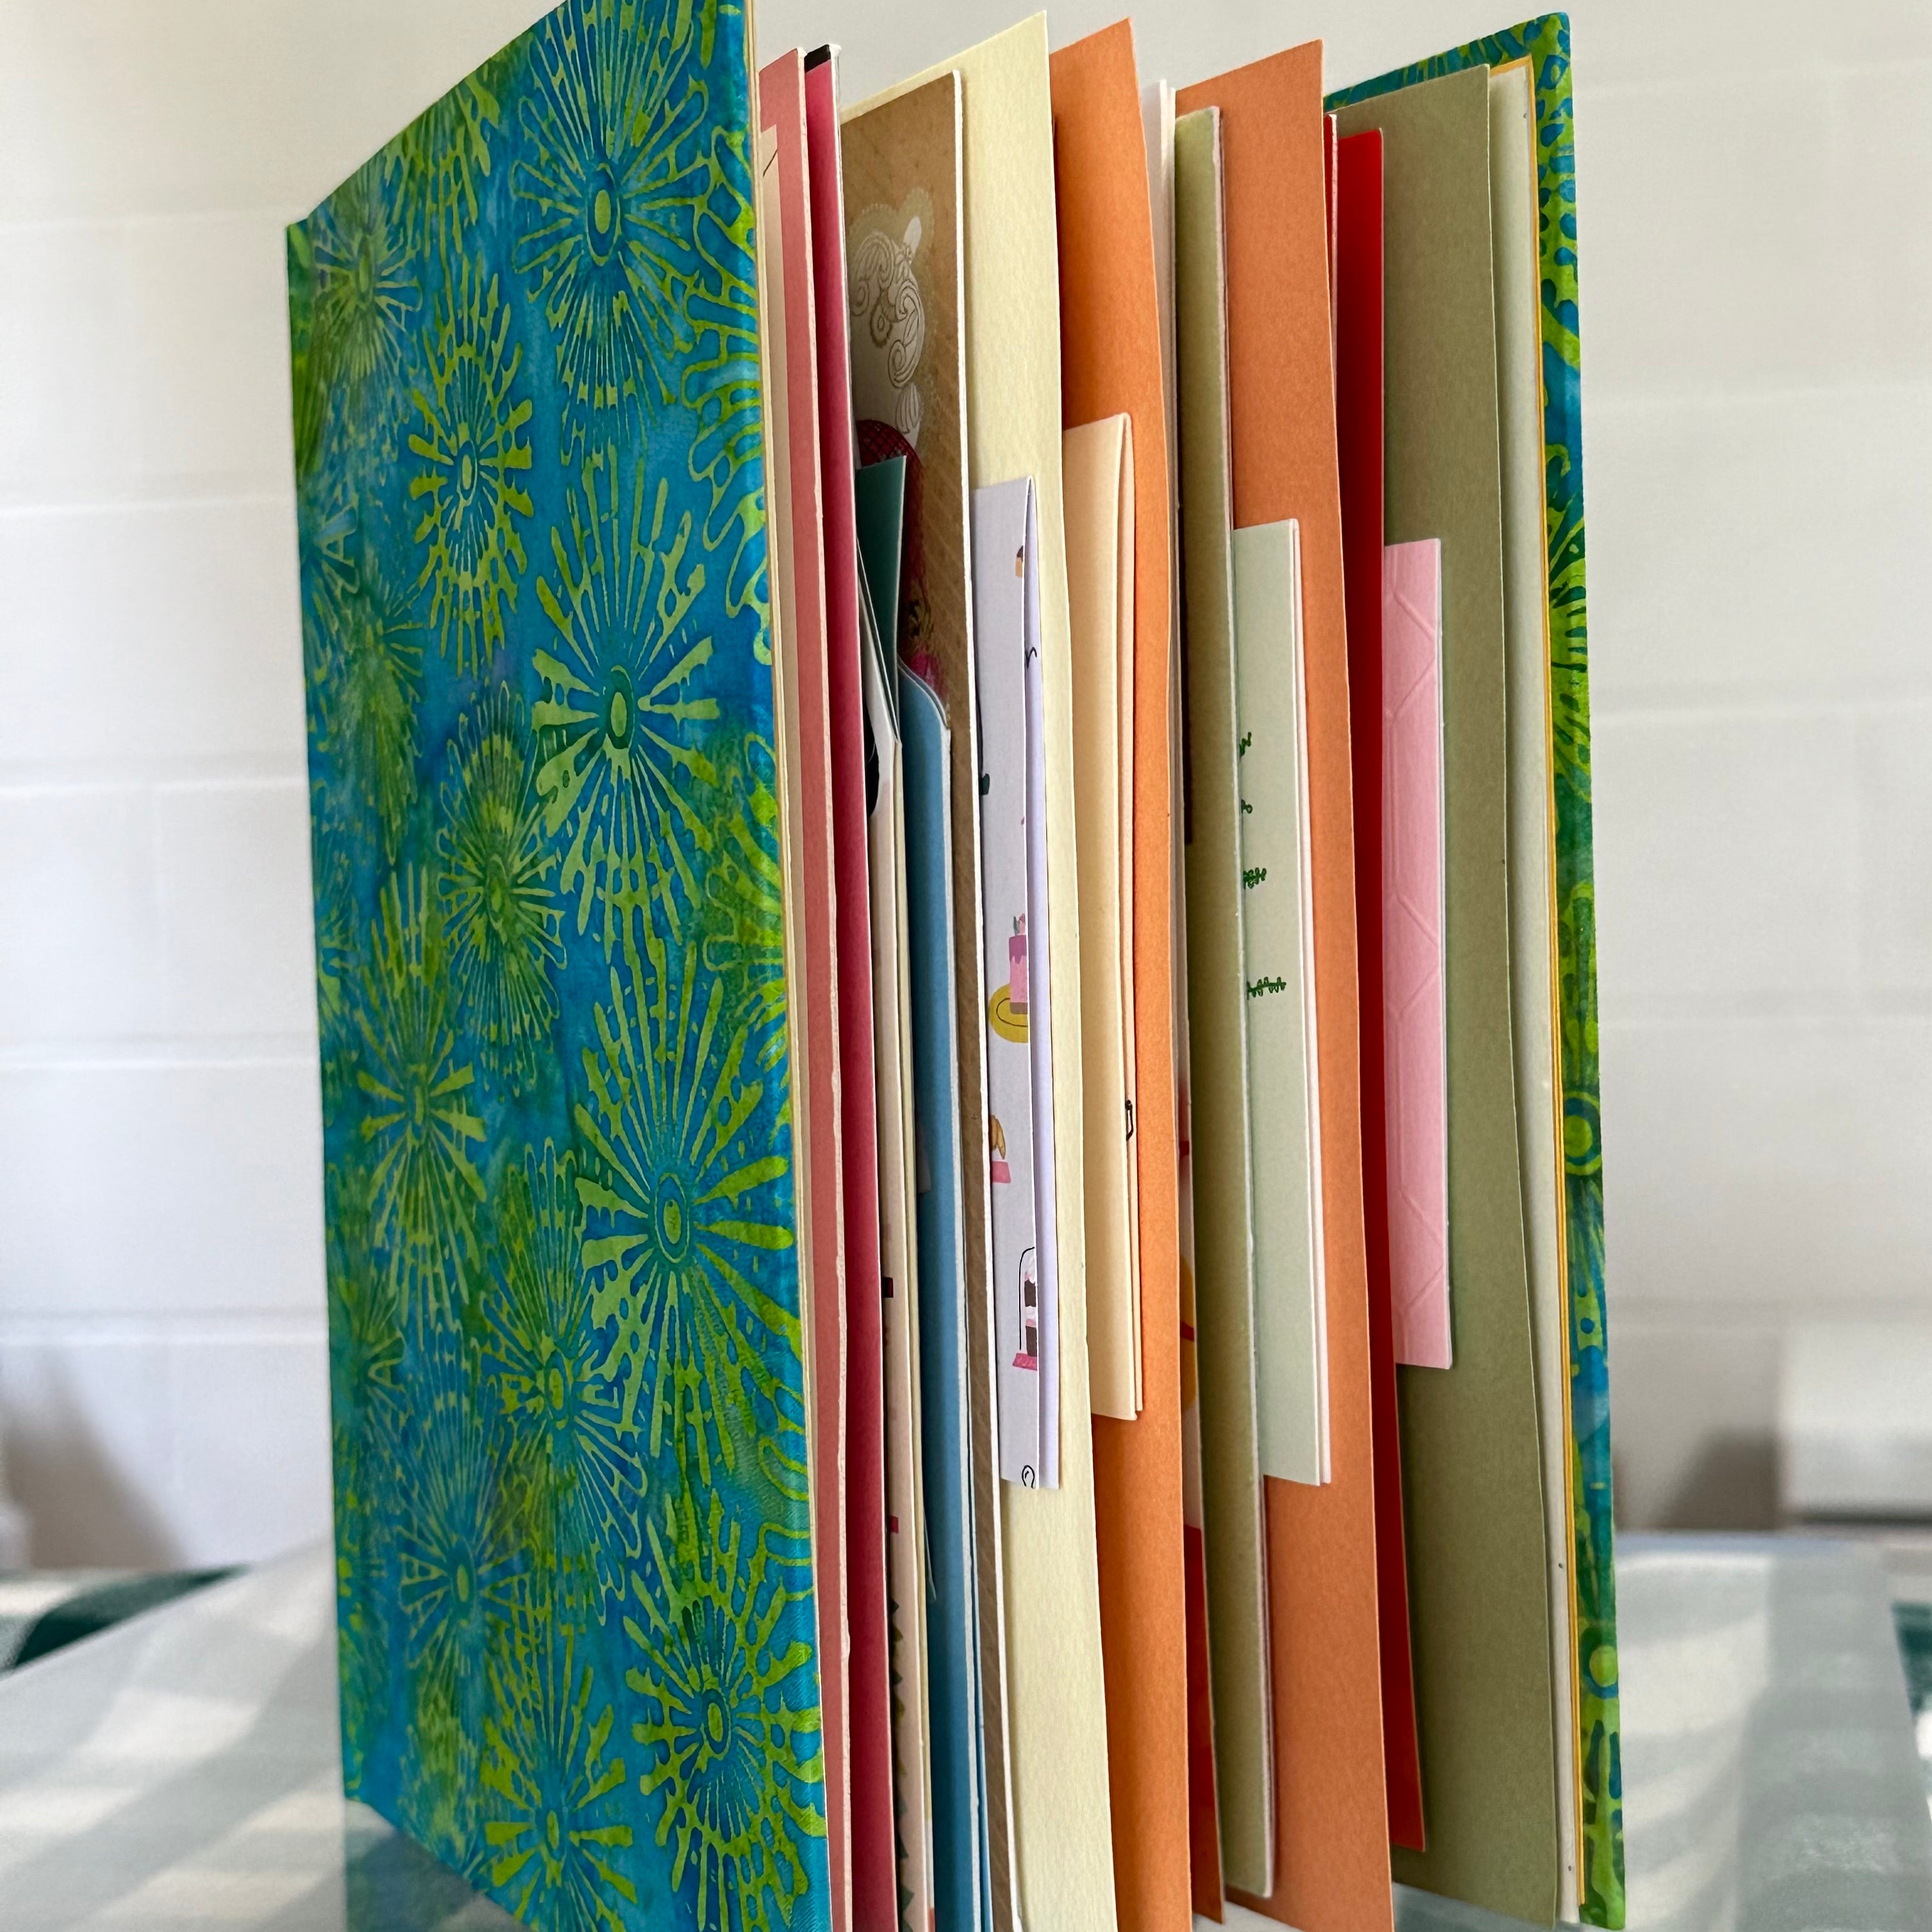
(574, 1595)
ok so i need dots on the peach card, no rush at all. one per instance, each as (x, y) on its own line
(1414, 1016)
(1110, 349)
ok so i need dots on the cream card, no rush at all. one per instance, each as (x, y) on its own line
(1099, 460)
(1290, 1364)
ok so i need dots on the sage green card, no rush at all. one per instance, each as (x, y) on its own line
(1217, 1027)
(1471, 1450)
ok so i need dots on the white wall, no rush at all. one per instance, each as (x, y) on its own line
(1757, 329)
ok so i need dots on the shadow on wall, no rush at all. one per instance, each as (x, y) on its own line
(83, 1509)
(1730, 1483)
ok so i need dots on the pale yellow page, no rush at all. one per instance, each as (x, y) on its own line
(1057, 1694)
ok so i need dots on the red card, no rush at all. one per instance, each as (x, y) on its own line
(1357, 251)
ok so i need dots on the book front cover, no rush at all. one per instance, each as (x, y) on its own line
(572, 1506)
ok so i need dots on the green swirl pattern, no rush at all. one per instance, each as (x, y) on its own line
(576, 1638)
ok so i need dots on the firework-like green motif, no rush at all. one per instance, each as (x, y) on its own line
(365, 303)
(721, 380)
(545, 1357)
(473, 445)
(743, 922)
(1544, 44)
(619, 713)
(500, 905)
(608, 195)
(417, 1088)
(463, 1570)
(685, 1197)
(732, 1728)
(439, 164)
(553, 1792)
(563, 1290)
(368, 699)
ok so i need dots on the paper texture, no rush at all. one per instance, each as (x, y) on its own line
(1357, 257)
(1217, 1030)
(1331, 1825)
(1277, 924)
(785, 205)
(879, 509)
(1115, 232)
(905, 244)
(1413, 1018)
(874, 1872)
(951, 1638)
(510, 547)
(1476, 1556)
(1532, 861)
(1001, 542)
(1204, 1823)
(1098, 460)
(1545, 43)
(1055, 1680)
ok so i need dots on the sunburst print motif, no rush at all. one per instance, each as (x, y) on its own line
(365, 301)
(607, 202)
(689, 1205)
(417, 1091)
(463, 1572)
(721, 380)
(367, 711)
(573, 1470)
(545, 1358)
(553, 1789)
(744, 918)
(622, 702)
(732, 1729)
(472, 444)
(497, 883)
(439, 164)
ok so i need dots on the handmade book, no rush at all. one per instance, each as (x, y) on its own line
(579, 1646)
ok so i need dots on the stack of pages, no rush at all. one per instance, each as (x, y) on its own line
(949, 742)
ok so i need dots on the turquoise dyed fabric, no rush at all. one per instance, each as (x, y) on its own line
(574, 1583)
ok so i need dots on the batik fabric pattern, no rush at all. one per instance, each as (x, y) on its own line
(1545, 44)
(572, 1530)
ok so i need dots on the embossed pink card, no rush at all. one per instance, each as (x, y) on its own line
(1413, 1011)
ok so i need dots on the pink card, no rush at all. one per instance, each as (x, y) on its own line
(874, 1867)
(1413, 1018)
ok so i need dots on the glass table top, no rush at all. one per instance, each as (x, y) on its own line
(182, 1769)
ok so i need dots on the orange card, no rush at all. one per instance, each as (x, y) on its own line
(1110, 365)
(1332, 1854)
